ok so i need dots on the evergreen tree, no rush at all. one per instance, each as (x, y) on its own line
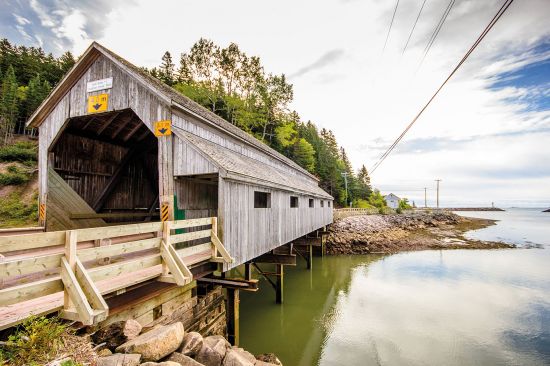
(8, 104)
(304, 154)
(363, 179)
(167, 69)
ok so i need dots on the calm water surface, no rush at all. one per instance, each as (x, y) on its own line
(460, 307)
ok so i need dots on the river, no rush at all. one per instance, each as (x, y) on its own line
(454, 307)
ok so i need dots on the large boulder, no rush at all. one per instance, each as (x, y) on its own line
(208, 357)
(117, 333)
(183, 360)
(192, 344)
(165, 363)
(218, 344)
(157, 343)
(119, 360)
(238, 357)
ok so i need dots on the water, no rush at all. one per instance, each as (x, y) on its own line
(459, 307)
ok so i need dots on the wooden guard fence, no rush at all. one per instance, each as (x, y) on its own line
(71, 271)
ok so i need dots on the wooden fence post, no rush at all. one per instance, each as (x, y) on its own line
(166, 227)
(70, 255)
(214, 233)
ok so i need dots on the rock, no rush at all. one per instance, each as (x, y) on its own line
(182, 359)
(117, 333)
(262, 363)
(218, 344)
(157, 343)
(165, 363)
(208, 357)
(269, 358)
(104, 352)
(238, 357)
(119, 360)
(192, 344)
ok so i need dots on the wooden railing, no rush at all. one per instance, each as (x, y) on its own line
(72, 270)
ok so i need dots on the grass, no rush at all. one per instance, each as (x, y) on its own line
(14, 212)
(22, 151)
(14, 176)
(40, 340)
(35, 342)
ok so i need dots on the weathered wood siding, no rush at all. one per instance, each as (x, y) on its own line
(197, 199)
(187, 161)
(127, 92)
(249, 232)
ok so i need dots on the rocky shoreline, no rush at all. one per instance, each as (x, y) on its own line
(415, 230)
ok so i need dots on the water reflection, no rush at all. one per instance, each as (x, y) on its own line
(455, 307)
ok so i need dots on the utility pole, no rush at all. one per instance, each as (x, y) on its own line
(425, 197)
(345, 175)
(438, 180)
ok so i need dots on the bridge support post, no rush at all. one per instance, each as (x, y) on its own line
(279, 294)
(232, 312)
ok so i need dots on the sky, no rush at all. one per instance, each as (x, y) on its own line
(484, 135)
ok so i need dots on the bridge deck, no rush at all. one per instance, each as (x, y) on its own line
(40, 275)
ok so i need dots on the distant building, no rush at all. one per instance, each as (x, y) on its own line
(392, 200)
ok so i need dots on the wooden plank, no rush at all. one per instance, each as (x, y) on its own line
(219, 246)
(28, 291)
(31, 241)
(116, 269)
(286, 259)
(70, 258)
(92, 293)
(110, 215)
(76, 294)
(181, 264)
(119, 230)
(20, 267)
(182, 224)
(117, 249)
(175, 271)
(179, 238)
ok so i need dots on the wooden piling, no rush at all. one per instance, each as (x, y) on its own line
(233, 316)
(280, 282)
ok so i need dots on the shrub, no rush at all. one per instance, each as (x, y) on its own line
(14, 212)
(20, 151)
(14, 176)
(35, 342)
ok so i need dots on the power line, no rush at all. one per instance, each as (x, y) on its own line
(436, 30)
(414, 26)
(391, 23)
(493, 21)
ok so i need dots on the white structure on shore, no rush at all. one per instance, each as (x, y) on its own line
(392, 200)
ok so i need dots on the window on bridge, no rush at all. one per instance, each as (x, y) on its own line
(293, 201)
(328, 203)
(262, 200)
(311, 203)
(322, 203)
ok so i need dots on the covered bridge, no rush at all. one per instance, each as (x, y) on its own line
(118, 146)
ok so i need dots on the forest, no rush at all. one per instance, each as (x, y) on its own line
(227, 81)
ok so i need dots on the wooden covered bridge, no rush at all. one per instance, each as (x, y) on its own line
(140, 186)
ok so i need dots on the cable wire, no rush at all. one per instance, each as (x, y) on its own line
(391, 23)
(414, 26)
(493, 21)
(436, 31)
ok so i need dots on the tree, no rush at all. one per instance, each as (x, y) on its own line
(167, 69)
(364, 184)
(8, 104)
(304, 154)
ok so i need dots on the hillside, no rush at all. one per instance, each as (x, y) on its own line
(18, 183)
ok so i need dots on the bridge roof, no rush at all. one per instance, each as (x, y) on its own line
(242, 168)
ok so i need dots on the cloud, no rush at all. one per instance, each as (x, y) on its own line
(57, 25)
(326, 59)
